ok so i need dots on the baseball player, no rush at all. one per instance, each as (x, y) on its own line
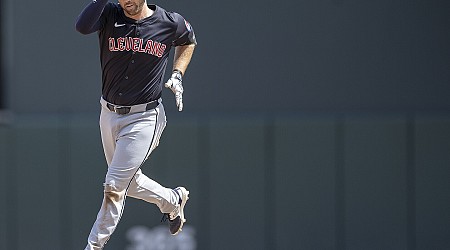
(135, 40)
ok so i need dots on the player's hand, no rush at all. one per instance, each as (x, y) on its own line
(175, 83)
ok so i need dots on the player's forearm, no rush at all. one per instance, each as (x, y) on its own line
(87, 21)
(182, 57)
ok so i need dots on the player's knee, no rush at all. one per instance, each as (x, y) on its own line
(112, 193)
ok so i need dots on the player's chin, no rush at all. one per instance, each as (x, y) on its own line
(132, 10)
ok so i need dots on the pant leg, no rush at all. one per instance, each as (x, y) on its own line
(136, 135)
(146, 189)
(109, 132)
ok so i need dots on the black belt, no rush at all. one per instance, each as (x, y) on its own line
(123, 110)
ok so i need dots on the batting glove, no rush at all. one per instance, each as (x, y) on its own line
(175, 84)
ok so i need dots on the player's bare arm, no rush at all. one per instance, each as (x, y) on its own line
(182, 57)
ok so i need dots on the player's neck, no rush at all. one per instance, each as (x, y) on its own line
(146, 12)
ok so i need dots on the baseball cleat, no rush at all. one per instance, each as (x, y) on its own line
(176, 217)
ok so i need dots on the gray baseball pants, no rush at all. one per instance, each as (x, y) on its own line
(128, 140)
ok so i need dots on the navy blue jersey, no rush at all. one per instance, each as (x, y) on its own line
(134, 54)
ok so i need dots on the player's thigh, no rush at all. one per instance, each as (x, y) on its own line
(108, 136)
(132, 148)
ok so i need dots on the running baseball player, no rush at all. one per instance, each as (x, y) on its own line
(135, 40)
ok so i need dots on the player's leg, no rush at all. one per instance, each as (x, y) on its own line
(137, 135)
(146, 189)
(108, 120)
(169, 201)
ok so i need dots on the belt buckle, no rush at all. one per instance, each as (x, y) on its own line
(121, 110)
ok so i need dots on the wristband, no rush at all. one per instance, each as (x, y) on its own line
(177, 74)
(177, 71)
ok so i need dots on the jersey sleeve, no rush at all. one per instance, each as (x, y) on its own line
(184, 34)
(90, 19)
(108, 13)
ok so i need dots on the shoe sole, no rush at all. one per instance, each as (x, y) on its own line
(184, 199)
